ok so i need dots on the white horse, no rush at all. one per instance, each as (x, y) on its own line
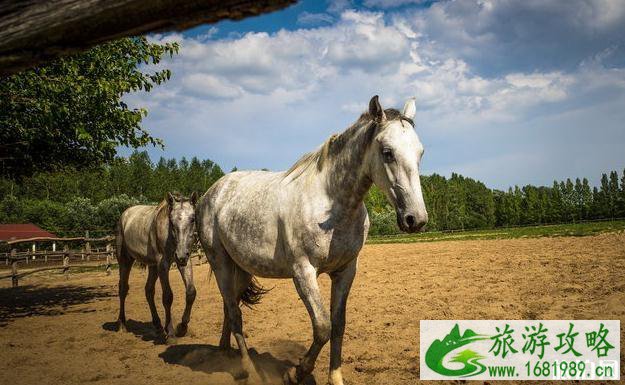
(310, 220)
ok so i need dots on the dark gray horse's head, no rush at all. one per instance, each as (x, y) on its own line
(181, 213)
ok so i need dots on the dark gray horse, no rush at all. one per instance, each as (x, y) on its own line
(310, 220)
(157, 236)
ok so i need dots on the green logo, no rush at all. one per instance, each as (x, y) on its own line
(437, 352)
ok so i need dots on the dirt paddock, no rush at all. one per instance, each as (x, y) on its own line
(58, 331)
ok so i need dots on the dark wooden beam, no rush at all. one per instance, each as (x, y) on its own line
(32, 31)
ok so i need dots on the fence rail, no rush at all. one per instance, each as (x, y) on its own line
(66, 256)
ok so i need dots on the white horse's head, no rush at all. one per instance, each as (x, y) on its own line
(394, 158)
(181, 214)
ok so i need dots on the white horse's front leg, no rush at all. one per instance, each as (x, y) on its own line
(341, 284)
(308, 289)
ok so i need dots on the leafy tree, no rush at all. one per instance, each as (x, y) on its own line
(555, 203)
(140, 167)
(109, 210)
(596, 207)
(579, 199)
(586, 199)
(568, 200)
(456, 213)
(70, 112)
(622, 197)
(604, 198)
(80, 214)
(45, 213)
(11, 210)
(613, 193)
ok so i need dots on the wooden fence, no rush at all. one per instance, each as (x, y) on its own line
(91, 249)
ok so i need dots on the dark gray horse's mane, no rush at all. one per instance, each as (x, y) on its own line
(178, 197)
(337, 142)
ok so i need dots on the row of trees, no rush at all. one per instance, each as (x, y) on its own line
(566, 201)
(72, 201)
(69, 200)
(463, 203)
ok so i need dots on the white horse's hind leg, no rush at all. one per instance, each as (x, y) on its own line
(341, 284)
(224, 342)
(242, 281)
(308, 289)
(229, 281)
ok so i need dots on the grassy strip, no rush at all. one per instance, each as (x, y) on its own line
(562, 230)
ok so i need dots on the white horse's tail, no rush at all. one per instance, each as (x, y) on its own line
(253, 293)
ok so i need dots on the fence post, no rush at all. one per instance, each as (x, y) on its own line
(108, 259)
(66, 261)
(87, 246)
(13, 268)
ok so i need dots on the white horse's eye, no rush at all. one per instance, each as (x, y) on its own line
(387, 155)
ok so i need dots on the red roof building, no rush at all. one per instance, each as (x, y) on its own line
(11, 231)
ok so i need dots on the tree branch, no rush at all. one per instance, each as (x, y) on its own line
(32, 31)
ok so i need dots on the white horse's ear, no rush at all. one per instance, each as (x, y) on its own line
(375, 110)
(170, 199)
(194, 198)
(410, 108)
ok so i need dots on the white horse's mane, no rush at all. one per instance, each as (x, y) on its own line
(316, 160)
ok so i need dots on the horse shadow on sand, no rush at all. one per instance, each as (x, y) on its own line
(31, 300)
(143, 330)
(210, 359)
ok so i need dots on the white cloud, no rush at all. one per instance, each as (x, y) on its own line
(261, 100)
(532, 35)
(338, 6)
(390, 3)
(308, 18)
(201, 84)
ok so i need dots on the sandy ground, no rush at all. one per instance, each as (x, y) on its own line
(58, 331)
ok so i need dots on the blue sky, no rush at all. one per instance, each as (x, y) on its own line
(508, 92)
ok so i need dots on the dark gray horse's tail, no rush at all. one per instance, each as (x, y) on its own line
(253, 293)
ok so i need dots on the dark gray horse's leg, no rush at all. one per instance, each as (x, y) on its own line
(149, 295)
(125, 266)
(341, 284)
(187, 277)
(308, 289)
(168, 298)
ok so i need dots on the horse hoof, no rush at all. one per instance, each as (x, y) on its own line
(170, 340)
(290, 376)
(121, 326)
(181, 330)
